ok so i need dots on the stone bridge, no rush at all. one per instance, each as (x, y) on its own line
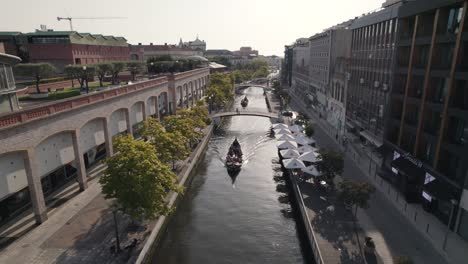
(42, 147)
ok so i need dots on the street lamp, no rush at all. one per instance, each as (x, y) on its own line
(85, 79)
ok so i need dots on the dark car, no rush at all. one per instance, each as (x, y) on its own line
(287, 113)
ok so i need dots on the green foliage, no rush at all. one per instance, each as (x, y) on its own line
(137, 180)
(183, 125)
(222, 60)
(103, 69)
(309, 130)
(157, 66)
(169, 147)
(117, 67)
(330, 164)
(403, 260)
(220, 89)
(80, 74)
(38, 71)
(135, 67)
(355, 193)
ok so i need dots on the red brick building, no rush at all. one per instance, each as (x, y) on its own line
(66, 47)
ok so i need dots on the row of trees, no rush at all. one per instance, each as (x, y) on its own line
(142, 173)
(257, 68)
(166, 64)
(220, 89)
(81, 73)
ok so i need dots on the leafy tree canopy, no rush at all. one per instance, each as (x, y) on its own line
(330, 164)
(137, 180)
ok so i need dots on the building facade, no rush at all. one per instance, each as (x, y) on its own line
(286, 66)
(8, 99)
(300, 84)
(62, 48)
(427, 125)
(372, 53)
(144, 52)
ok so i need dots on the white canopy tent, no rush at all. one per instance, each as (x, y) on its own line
(311, 170)
(296, 129)
(286, 144)
(308, 156)
(306, 148)
(282, 131)
(289, 153)
(303, 141)
(284, 137)
(293, 164)
(279, 126)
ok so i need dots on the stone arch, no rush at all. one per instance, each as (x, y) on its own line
(13, 182)
(118, 122)
(92, 141)
(163, 104)
(179, 96)
(185, 97)
(151, 107)
(191, 93)
(137, 116)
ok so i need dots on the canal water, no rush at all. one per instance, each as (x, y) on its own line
(244, 219)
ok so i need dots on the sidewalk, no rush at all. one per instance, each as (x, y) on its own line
(392, 231)
(81, 231)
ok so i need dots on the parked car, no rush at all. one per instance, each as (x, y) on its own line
(287, 113)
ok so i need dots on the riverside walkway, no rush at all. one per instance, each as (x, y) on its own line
(392, 233)
(246, 113)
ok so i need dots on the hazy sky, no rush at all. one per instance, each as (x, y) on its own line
(266, 25)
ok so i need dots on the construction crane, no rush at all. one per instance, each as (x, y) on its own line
(72, 18)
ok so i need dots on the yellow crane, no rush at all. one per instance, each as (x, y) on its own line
(73, 18)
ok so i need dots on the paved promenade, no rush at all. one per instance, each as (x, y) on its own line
(391, 231)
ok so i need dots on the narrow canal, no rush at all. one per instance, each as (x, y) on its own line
(248, 219)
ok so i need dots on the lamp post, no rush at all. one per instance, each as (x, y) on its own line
(452, 209)
(152, 67)
(209, 103)
(85, 79)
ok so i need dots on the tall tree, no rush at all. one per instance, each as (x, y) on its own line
(117, 67)
(309, 130)
(38, 71)
(82, 73)
(102, 69)
(135, 67)
(185, 126)
(169, 147)
(355, 194)
(138, 180)
(330, 163)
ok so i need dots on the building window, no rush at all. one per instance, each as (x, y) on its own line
(438, 90)
(457, 132)
(459, 99)
(453, 23)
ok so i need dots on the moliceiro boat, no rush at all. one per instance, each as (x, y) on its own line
(234, 157)
(244, 102)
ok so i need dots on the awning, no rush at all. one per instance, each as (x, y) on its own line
(440, 190)
(406, 167)
(377, 142)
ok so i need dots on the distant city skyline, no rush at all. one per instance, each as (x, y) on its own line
(263, 25)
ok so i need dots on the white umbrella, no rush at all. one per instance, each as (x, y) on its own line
(289, 153)
(285, 144)
(312, 170)
(282, 131)
(306, 148)
(279, 126)
(284, 137)
(308, 156)
(303, 141)
(293, 164)
(295, 128)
